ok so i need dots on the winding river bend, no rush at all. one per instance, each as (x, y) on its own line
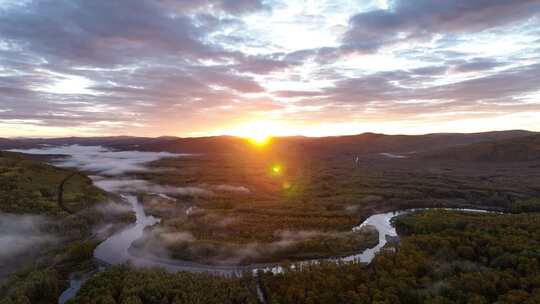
(115, 249)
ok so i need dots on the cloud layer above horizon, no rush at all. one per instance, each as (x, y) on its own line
(191, 68)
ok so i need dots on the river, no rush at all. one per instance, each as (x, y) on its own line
(115, 249)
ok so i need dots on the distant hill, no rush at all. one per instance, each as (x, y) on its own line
(212, 144)
(506, 150)
(345, 145)
(366, 143)
(84, 141)
(163, 143)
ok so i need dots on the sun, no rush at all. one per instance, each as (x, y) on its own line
(256, 132)
(259, 139)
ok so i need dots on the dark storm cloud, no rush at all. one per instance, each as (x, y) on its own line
(421, 19)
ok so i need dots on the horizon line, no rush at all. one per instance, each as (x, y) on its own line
(271, 136)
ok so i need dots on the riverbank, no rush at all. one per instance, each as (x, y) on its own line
(275, 283)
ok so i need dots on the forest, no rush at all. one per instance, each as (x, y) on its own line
(310, 194)
(28, 186)
(28, 190)
(442, 257)
(123, 284)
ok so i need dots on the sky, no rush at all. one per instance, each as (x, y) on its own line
(252, 67)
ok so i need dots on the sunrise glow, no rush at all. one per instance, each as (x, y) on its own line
(259, 133)
(259, 140)
(311, 68)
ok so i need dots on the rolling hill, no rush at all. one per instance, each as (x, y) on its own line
(507, 150)
(361, 144)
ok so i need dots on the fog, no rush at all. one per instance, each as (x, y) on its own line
(126, 185)
(160, 242)
(21, 235)
(111, 172)
(113, 208)
(232, 188)
(100, 159)
(108, 164)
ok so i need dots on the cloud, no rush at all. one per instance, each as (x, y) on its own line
(415, 20)
(425, 95)
(68, 31)
(212, 65)
(392, 88)
(492, 89)
(476, 64)
(228, 6)
(71, 63)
